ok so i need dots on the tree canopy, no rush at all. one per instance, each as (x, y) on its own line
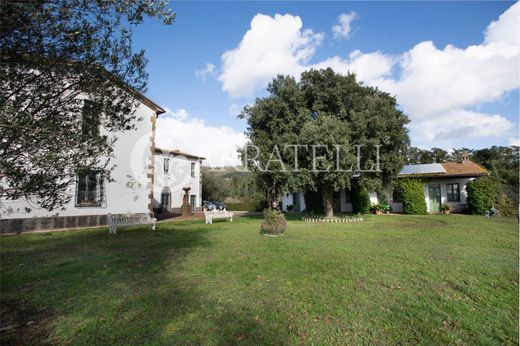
(53, 54)
(327, 115)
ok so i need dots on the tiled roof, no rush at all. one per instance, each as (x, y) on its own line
(177, 153)
(466, 168)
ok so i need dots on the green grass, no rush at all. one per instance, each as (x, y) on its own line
(445, 279)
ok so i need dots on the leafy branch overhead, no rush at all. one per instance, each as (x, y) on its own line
(54, 54)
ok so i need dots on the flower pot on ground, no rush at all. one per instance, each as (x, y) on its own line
(446, 209)
(379, 209)
(385, 208)
(274, 222)
(374, 209)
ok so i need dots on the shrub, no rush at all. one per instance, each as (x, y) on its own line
(481, 195)
(274, 222)
(360, 200)
(506, 205)
(412, 195)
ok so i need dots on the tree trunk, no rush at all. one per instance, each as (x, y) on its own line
(273, 198)
(326, 193)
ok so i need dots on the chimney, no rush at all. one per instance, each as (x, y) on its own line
(464, 156)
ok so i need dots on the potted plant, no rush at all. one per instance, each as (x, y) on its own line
(385, 208)
(274, 222)
(289, 208)
(446, 209)
(376, 209)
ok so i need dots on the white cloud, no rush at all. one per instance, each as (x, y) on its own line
(437, 88)
(514, 141)
(368, 67)
(343, 28)
(209, 70)
(443, 130)
(176, 129)
(272, 45)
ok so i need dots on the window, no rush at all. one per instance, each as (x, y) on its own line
(453, 192)
(90, 191)
(166, 165)
(165, 200)
(90, 119)
(192, 201)
(193, 169)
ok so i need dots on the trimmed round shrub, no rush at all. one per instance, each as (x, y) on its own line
(360, 200)
(411, 192)
(481, 195)
(274, 222)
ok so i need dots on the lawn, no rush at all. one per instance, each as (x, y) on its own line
(436, 280)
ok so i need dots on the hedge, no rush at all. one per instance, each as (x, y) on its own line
(247, 206)
(360, 200)
(481, 195)
(412, 195)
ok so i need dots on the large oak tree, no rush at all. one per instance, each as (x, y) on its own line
(328, 109)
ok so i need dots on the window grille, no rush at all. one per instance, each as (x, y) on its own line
(90, 189)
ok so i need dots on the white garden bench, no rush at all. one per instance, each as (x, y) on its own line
(217, 214)
(130, 219)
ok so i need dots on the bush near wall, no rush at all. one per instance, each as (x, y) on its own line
(360, 200)
(252, 205)
(411, 192)
(481, 195)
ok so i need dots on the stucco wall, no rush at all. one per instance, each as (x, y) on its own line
(179, 176)
(455, 206)
(128, 193)
(289, 200)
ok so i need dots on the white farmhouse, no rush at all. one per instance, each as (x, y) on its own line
(443, 183)
(131, 192)
(174, 171)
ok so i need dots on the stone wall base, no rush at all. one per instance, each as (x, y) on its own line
(49, 223)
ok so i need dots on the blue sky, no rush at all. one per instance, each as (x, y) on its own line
(399, 47)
